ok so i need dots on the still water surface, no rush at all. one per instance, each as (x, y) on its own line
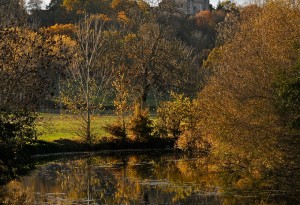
(137, 178)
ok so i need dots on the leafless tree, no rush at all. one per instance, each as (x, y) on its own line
(90, 74)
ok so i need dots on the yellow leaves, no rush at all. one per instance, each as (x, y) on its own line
(212, 59)
(102, 17)
(143, 5)
(66, 40)
(17, 193)
(175, 116)
(123, 17)
(184, 167)
(23, 53)
(130, 37)
(244, 183)
(62, 29)
(70, 4)
(115, 3)
(237, 103)
(112, 36)
(20, 41)
(62, 45)
(22, 33)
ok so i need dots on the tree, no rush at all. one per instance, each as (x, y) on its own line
(239, 114)
(207, 23)
(174, 115)
(58, 14)
(34, 5)
(121, 104)
(90, 74)
(24, 59)
(26, 79)
(12, 13)
(88, 6)
(227, 6)
(17, 129)
(157, 62)
(288, 97)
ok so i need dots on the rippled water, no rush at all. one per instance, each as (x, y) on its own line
(141, 178)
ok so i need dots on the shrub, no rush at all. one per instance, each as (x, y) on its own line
(174, 116)
(140, 125)
(17, 129)
(192, 140)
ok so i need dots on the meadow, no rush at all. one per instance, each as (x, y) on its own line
(51, 127)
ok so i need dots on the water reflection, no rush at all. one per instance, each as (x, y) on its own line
(141, 179)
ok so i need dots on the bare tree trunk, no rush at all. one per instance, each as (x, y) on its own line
(145, 89)
(91, 73)
(88, 127)
(88, 109)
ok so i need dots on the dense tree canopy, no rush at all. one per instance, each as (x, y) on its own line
(24, 61)
(12, 13)
(238, 106)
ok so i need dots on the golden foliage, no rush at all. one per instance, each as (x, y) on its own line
(143, 5)
(130, 37)
(238, 104)
(101, 17)
(115, 3)
(123, 17)
(69, 4)
(61, 29)
(24, 59)
(175, 116)
(16, 193)
(205, 18)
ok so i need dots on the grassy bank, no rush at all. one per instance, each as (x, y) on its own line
(53, 127)
(58, 133)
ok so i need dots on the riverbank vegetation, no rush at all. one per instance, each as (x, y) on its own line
(224, 82)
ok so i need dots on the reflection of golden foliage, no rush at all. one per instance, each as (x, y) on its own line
(15, 193)
(112, 180)
(244, 183)
(132, 160)
(184, 167)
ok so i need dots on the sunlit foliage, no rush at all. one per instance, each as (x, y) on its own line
(175, 116)
(24, 57)
(238, 105)
(61, 29)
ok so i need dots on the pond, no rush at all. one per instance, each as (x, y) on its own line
(138, 178)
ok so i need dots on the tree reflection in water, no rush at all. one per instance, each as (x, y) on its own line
(144, 179)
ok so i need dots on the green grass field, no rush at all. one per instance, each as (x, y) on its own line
(62, 126)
